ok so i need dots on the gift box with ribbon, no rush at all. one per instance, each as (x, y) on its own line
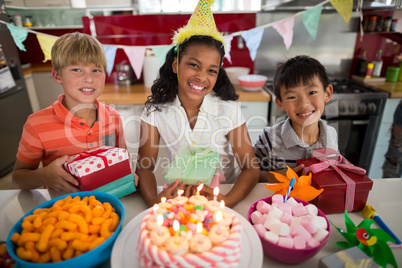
(100, 167)
(195, 165)
(346, 187)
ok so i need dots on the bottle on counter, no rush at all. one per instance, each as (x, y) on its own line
(393, 25)
(380, 24)
(369, 70)
(387, 24)
(377, 64)
(361, 64)
(372, 24)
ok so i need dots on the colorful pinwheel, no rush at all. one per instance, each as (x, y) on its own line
(373, 242)
(302, 188)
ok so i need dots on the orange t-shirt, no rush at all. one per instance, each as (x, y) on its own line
(54, 132)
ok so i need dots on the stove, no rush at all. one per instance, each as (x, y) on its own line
(355, 111)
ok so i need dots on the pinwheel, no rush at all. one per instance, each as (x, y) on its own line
(373, 242)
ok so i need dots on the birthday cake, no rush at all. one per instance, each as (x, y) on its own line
(189, 232)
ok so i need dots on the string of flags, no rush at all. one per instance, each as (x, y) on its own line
(252, 37)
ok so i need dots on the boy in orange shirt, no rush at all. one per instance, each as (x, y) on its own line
(73, 124)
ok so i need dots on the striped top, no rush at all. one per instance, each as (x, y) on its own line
(279, 145)
(54, 132)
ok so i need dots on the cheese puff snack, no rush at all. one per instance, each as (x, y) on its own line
(71, 227)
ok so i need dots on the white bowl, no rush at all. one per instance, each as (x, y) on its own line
(252, 82)
(235, 72)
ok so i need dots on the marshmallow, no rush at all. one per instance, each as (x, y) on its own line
(263, 207)
(255, 216)
(311, 209)
(287, 218)
(263, 218)
(312, 242)
(280, 228)
(271, 237)
(291, 201)
(277, 198)
(285, 242)
(270, 221)
(298, 210)
(309, 225)
(321, 222)
(301, 231)
(321, 234)
(299, 242)
(260, 229)
(285, 208)
(295, 222)
(275, 212)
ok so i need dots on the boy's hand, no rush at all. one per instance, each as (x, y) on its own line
(58, 178)
(136, 179)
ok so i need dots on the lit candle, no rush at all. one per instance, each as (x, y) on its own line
(179, 193)
(159, 222)
(222, 204)
(216, 193)
(199, 188)
(199, 231)
(176, 227)
(218, 218)
(163, 200)
(155, 208)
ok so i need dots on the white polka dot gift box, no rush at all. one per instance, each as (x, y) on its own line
(98, 167)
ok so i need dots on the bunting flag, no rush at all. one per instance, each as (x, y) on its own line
(285, 29)
(46, 43)
(228, 46)
(311, 18)
(253, 39)
(110, 52)
(136, 57)
(344, 7)
(19, 35)
(160, 52)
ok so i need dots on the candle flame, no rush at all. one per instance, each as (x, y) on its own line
(218, 216)
(160, 220)
(155, 207)
(216, 191)
(180, 192)
(199, 188)
(222, 204)
(176, 226)
(199, 227)
(163, 199)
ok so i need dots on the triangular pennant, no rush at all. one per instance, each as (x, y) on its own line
(311, 18)
(344, 7)
(253, 39)
(46, 43)
(19, 35)
(228, 46)
(160, 52)
(110, 52)
(136, 57)
(285, 29)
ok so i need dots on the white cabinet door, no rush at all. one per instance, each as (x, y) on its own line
(16, 3)
(47, 3)
(256, 116)
(47, 90)
(33, 98)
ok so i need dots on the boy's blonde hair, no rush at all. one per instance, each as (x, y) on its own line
(75, 48)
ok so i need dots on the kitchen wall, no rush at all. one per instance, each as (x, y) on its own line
(333, 46)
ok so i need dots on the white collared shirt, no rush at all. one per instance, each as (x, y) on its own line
(215, 120)
(280, 145)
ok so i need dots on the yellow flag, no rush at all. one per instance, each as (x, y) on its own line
(344, 7)
(46, 43)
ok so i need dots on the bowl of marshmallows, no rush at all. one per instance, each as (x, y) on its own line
(290, 232)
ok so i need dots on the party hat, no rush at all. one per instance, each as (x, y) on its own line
(201, 23)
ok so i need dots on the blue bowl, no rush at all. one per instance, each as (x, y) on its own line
(92, 258)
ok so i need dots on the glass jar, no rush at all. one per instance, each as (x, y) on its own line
(28, 22)
(387, 24)
(372, 24)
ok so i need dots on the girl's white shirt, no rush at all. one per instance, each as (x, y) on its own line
(216, 119)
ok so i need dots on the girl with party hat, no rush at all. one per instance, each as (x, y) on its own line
(192, 106)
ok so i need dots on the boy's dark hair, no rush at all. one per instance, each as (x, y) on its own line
(164, 89)
(299, 70)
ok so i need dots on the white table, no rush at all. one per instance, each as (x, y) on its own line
(385, 197)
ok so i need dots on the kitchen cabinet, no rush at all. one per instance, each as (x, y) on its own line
(256, 115)
(17, 3)
(108, 3)
(33, 97)
(47, 3)
(384, 135)
(47, 90)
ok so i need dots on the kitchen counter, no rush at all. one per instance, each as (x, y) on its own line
(394, 89)
(384, 197)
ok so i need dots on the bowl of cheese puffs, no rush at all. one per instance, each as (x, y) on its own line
(73, 230)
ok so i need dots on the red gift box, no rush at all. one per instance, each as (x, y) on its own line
(98, 167)
(340, 179)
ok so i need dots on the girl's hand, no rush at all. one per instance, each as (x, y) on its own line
(208, 192)
(171, 191)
